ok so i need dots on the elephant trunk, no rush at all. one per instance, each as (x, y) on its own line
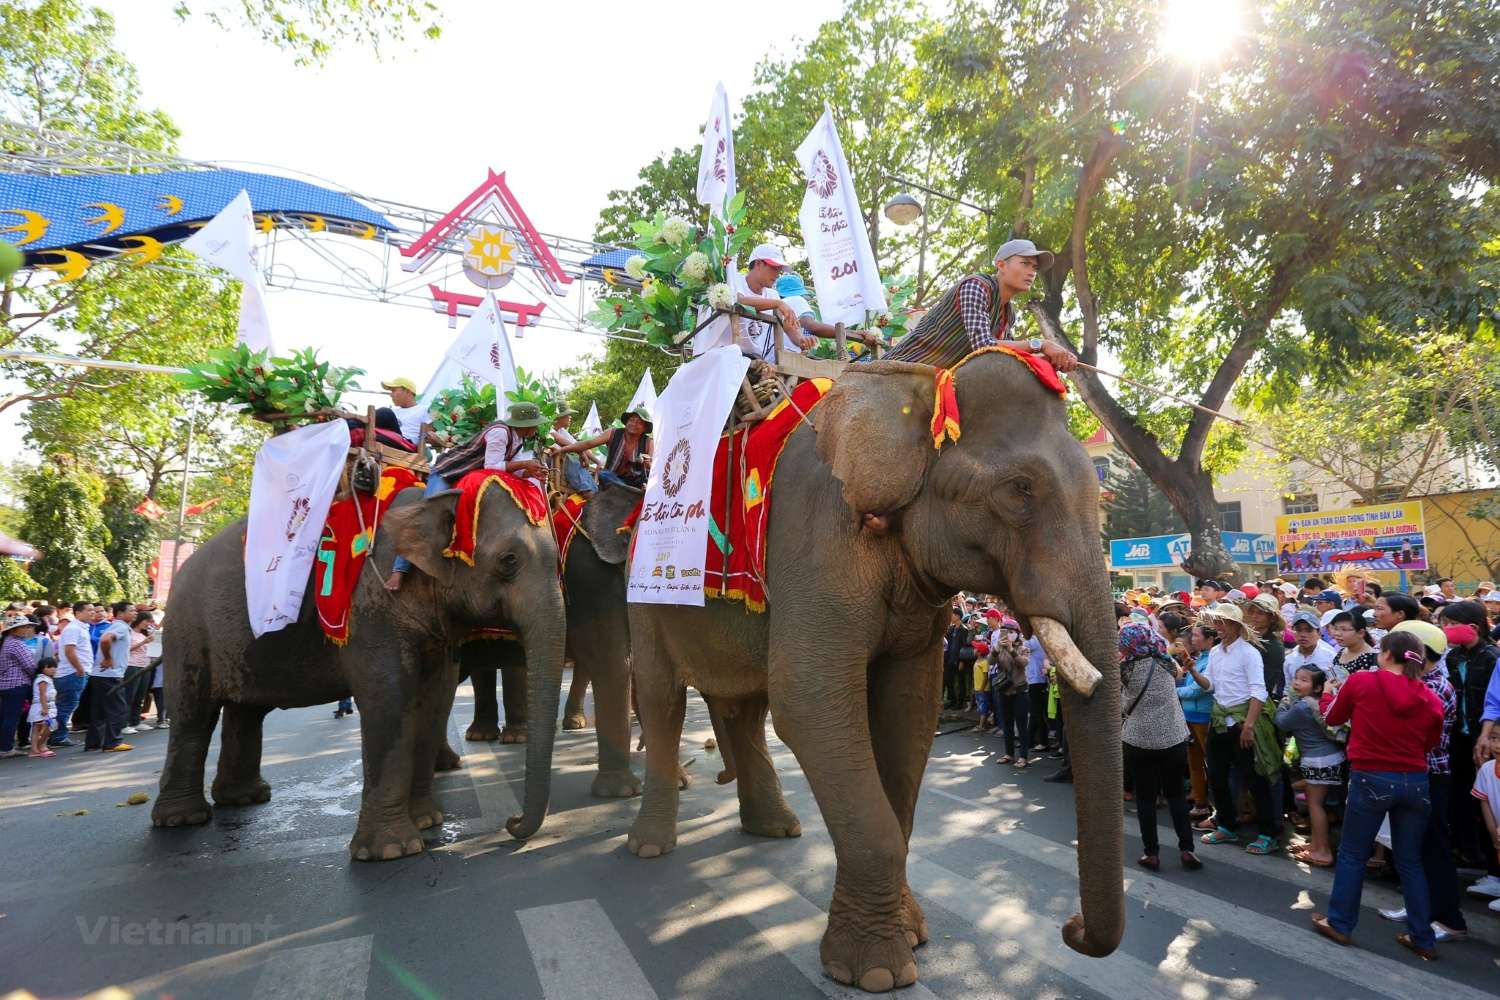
(1093, 734)
(544, 668)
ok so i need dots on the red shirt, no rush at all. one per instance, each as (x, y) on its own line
(1394, 720)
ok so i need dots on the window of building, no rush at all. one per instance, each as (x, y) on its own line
(1101, 468)
(1229, 516)
(1301, 503)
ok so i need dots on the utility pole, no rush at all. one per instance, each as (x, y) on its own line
(187, 466)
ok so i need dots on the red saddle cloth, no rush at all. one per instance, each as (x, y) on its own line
(344, 546)
(567, 521)
(527, 495)
(739, 514)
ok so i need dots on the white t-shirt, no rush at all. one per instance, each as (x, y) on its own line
(1321, 657)
(411, 419)
(76, 635)
(1236, 673)
(758, 335)
(35, 714)
(1487, 786)
(497, 444)
(117, 636)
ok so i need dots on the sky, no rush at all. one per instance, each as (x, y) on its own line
(569, 99)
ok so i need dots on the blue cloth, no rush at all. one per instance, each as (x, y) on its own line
(1036, 667)
(579, 479)
(435, 485)
(346, 704)
(96, 630)
(1197, 704)
(69, 693)
(790, 284)
(12, 700)
(1491, 711)
(1407, 800)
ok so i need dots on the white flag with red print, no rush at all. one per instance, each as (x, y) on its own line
(483, 350)
(716, 161)
(838, 246)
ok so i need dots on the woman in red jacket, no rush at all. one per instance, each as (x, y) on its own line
(1394, 720)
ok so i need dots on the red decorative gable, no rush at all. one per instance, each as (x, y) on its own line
(457, 304)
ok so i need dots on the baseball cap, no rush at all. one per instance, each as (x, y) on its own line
(767, 253)
(992, 613)
(1328, 616)
(1289, 589)
(790, 283)
(1493, 597)
(1266, 603)
(1236, 595)
(400, 383)
(1251, 591)
(1331, 596)
(1306, 618)
(1427, 633)
(1025, 248)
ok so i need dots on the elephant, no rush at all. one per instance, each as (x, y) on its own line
(872, 530)
(597, 642)
(399, 664)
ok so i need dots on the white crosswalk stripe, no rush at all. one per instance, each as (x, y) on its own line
(578, 953)
(331, 970)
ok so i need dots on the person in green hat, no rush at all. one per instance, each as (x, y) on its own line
(627, 456)
(502, 445)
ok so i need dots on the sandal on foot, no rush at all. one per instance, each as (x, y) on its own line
(1221, 836)
(1150, 862)
(1206, 824)
(1020, 763)
(1263, 845)
(1425, 954)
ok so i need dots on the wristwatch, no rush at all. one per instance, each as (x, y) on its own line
(1034, 345)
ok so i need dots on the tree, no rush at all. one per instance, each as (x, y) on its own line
(1239, 220)
(609, 381)
(1134, 507)
(132, 539)
(63, 519)
(311, 29)
(15, 583)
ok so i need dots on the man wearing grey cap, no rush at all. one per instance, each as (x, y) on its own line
(978, 312)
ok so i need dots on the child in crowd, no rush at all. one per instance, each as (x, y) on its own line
(43, 715)
(1487, 790)
(982, 684)
(1322, 758)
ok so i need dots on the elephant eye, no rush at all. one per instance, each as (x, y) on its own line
(510, 565)
(1022, 488)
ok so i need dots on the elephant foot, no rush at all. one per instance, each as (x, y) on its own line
(867, 957)
(514, 734)
(425, 813)
(482, 732)
(651, 838)
(241, 793)
(447, 759)
(913, 919)
(726, 776)
(684, 780)
(575, 721)
(770, 819)
(188, 810)
(615, 785)
(385, 841)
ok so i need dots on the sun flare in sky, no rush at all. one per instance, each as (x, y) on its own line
(1201, 30)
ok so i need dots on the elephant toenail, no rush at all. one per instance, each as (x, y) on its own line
(908, 974)
(877, 981)
(839, 972)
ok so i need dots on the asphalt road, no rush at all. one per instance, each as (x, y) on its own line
(264, 903)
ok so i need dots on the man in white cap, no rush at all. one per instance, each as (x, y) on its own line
(755, 288)
(979, 311)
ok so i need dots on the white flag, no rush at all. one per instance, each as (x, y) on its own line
(228, 242)
(716, 161)
(591, 425)
(838, 247)
(483, 350)
(671, 535)
(645, 395)
(290, 490)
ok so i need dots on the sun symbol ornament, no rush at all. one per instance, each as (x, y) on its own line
(490, 258)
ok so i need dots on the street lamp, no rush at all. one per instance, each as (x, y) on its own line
(903, 209)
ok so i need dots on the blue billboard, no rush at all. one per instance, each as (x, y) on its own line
(1170, 550)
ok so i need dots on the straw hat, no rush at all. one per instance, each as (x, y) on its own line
(13, 622)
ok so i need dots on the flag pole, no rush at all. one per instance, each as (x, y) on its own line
(187, 465)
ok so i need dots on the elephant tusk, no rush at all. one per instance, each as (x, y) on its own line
(1081, 675)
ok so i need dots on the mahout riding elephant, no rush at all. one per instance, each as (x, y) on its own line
(399, 664)
(598, 641)
(871, 532)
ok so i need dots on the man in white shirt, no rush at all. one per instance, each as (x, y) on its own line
(404, 404)
(755, 288)
(109, 709)
(73, 669)
(1310, 651)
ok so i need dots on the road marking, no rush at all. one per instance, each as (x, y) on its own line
(333, 970)
(578, 953)
(1378, 974)
(785, 922)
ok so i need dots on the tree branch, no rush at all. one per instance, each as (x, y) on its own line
(1095, 171)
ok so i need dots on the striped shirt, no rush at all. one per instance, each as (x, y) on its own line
(968, 317)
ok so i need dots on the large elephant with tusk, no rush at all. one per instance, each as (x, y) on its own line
(871, 532)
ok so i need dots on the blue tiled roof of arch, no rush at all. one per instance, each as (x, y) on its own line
(67, 202)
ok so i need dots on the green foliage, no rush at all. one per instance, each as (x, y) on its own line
(542, 391)
(311, 29)
(132, 538)
(261, 384)
(679, 271)
(63, 519)
(1135, 507)
(15, 583)
(461, 412)
(609, 380)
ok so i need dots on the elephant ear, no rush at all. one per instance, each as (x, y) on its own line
(602, 517)
(422, 530)
(874, 431)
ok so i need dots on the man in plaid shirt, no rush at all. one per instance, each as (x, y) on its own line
(978, 312)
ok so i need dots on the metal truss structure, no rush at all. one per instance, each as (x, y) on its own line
(299, 257)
